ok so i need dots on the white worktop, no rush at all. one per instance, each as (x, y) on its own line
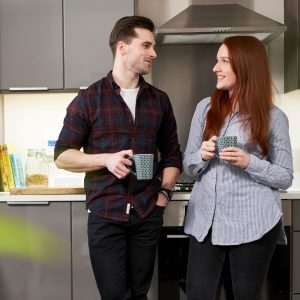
(6, 197)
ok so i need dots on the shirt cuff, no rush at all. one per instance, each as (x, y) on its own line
(256, 165)
(199, 162)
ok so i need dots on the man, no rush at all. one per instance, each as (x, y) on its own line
(116, 117)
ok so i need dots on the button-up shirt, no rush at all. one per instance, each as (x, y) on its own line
(240, 205)
(99, 121)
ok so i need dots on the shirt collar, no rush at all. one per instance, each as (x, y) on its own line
(142, 83)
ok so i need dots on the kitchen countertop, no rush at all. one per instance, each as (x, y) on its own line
(80, 196)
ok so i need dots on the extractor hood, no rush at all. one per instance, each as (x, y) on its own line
(212, 23)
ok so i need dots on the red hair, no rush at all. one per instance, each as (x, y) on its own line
(252, 92)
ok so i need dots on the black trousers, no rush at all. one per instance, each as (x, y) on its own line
(123, 254)
(248, 265)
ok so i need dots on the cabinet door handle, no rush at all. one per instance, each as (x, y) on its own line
(177, 236)
(83, 87)
(32, 88)
(27, 202)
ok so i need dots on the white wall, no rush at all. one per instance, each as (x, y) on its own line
(290, 104)
(30, 119)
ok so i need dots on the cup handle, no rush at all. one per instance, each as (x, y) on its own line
(129, 168)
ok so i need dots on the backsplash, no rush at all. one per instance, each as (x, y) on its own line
(30, 120)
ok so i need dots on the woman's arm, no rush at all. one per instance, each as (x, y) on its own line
(193, 163)
(277, 171)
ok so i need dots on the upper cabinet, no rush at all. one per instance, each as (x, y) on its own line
(31, 48)
(87, 26)
(292, 45)
(55, 44)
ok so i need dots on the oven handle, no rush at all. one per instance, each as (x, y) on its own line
(177, 236)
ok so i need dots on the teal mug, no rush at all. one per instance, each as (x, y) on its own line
(142, 166)
(225, 142)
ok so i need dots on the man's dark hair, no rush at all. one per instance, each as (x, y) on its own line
(124, 30)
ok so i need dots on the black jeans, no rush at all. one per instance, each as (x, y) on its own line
(248, 264)
(123, 254)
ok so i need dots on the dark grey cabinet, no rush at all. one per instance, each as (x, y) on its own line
(291, 45)
(296, 250)
(87, 26)
(31, 35)
(296, 215)
(296, 263)
(84, 284)
(35, 251)
(55, 44)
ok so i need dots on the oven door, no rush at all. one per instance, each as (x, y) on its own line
(173, 250)
(172, 263)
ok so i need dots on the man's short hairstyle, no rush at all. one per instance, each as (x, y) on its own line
(124, 30)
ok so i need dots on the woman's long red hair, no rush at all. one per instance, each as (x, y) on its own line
(253, 91)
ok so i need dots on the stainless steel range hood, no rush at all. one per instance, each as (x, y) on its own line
(212, 23)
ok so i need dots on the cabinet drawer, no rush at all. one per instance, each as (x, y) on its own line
(296, 215)
(41, 237)
(296, 297)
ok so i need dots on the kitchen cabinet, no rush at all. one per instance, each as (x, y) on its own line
(35, 251)
(84, 284)
(296, 215)
(296, 263)
(31, 35)
(87, 24)
(55, 44)
(296, 297)
(296, 248)
(291, 45)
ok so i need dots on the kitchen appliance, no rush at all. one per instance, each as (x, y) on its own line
(173, 246)
(212, 23)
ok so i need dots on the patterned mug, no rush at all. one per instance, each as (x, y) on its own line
(143, 165)
(225, 142)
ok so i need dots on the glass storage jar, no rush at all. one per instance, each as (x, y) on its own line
(37, 169)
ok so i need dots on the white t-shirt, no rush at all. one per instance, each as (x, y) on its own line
(129, 96)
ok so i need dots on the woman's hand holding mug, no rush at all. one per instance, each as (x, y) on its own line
(208, 148)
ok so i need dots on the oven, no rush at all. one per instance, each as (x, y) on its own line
(173, 247)
(172, 256)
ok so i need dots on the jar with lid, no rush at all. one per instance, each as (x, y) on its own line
(37, 168)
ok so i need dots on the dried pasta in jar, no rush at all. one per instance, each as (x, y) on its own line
(37, 180)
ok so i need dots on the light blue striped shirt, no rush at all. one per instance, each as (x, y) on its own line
(240, 205)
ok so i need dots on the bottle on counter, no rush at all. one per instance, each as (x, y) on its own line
(37, 169)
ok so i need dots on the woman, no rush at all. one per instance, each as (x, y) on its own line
(234, 212)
